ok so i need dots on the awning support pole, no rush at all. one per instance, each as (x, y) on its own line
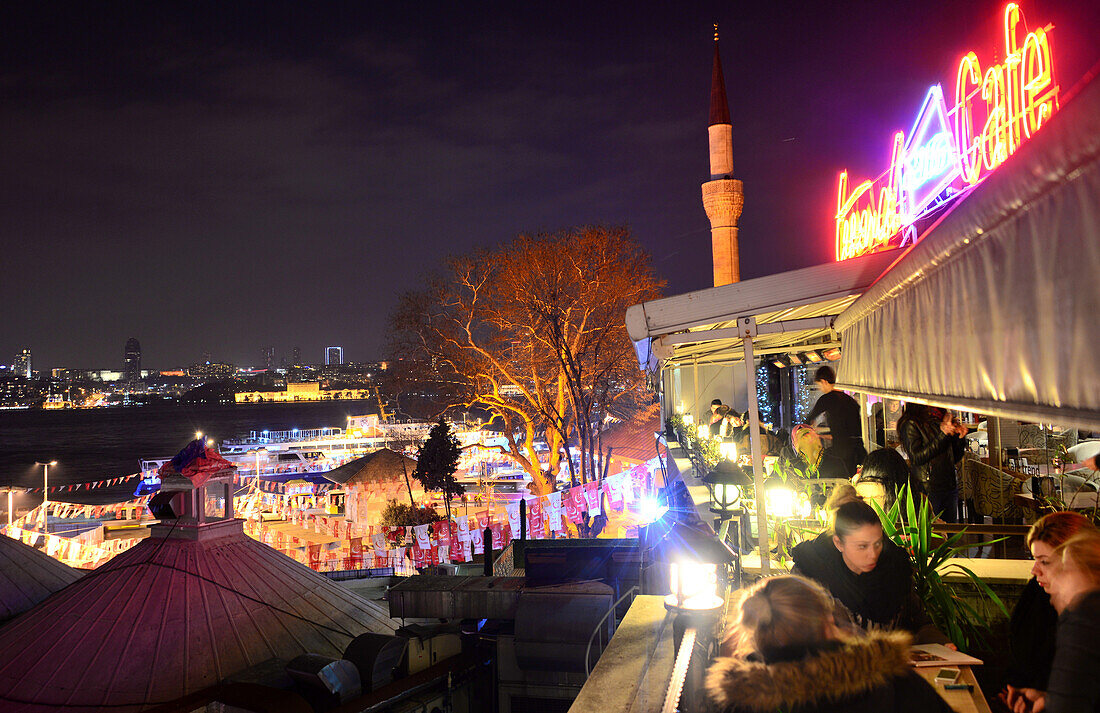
(748, 331)
(864, 427)
(695, 386)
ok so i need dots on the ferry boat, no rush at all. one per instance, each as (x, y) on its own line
(307, 453)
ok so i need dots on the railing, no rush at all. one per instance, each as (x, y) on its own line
(588, 651)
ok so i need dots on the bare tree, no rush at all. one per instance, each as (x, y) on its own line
(533, 331)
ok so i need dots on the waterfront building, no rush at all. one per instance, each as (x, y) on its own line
(211, 370)
(305, 391)
(132, 361)
(723, 198)
(23, 363)
(334, 356)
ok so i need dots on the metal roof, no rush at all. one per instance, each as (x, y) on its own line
(27, 576)
(172, 616)
(702, 325)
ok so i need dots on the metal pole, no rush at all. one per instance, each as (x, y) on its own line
(757, 458)
(695, 383)
(487, 540)
(522, 519)
(863, 425)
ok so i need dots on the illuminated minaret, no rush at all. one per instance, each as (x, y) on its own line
(722, 195)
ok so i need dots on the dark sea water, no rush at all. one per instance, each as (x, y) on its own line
(96, 444)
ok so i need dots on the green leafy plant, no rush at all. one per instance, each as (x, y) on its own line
(908, 524)
(397, 514)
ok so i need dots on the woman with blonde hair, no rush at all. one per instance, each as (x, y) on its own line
(787, 654)
(1074, 587)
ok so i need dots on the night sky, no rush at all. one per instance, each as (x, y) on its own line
(222, 178)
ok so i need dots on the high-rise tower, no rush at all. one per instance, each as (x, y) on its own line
(131, 366)
(722, 194)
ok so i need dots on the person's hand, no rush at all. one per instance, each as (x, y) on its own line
(947, 425)
(951, 646)
(1030, 700)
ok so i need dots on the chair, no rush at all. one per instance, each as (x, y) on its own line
(991, 490)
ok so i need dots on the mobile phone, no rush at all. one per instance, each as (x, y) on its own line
(947, 675)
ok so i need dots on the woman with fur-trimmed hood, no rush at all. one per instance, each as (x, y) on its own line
(787, 655)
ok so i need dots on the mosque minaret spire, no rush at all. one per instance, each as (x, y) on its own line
(722, 194)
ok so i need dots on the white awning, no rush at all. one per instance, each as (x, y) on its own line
(997, 308)
(792, 310)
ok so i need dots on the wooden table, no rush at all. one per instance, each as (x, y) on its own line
(960, 701)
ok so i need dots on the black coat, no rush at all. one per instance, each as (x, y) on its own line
(883, 598)
(1031, 631)
(932, 453)
(1074, 686)
(869, 675)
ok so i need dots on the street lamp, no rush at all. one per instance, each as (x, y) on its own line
(45, 492)
(696, 561)
(727, 484)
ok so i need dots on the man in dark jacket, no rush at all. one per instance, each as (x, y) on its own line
(934, 446)
(842, 414)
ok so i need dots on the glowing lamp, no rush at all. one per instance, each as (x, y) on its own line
(727, 483)
(694, 586)
(831, 354)
(688, 419)
(728, 451)
(780, 498)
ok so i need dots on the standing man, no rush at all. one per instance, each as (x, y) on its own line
(842, 414)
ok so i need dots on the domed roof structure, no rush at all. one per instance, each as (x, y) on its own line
(177, 613)
(27, 576)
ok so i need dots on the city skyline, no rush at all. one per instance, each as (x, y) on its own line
(188, 175)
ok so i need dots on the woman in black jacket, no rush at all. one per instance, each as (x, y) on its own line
(788, 655)
(934, 446)
(869, 575)
(1034, 620)
(1074, 587)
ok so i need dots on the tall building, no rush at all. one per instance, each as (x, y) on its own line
(23, 363)
(722, 194)
(296, 359)
(132, 361)
(269, 358)
(334, 356)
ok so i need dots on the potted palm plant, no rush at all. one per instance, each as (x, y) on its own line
(908, 524)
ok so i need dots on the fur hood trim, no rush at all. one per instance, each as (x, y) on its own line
(854, 668)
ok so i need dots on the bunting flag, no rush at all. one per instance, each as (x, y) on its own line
(534, 518)
(477, 540)
(613, 486)
(553, 509)
(574, 505)
(513, 517)
(592, 498)
(422, 539)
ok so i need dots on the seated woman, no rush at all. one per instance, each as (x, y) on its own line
(1034, 620)
(866, 573)
(1074, 587)
(786, 654)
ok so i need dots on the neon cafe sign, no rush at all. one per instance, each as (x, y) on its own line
(949, 150)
